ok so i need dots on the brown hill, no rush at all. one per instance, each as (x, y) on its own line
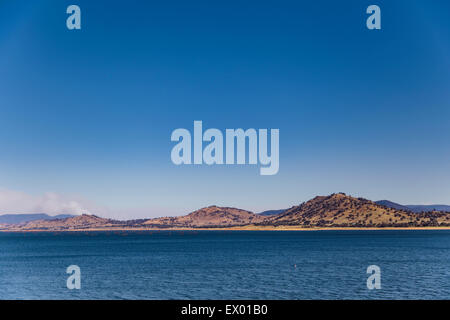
(78, 222)
(340, 210)
(212, 216)
(336, 210)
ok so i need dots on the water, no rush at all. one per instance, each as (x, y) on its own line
(226, 264)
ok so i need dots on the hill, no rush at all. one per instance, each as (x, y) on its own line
(340, 210)
(23, 218)
(212, 216)
(392, 205)
(76, 222)
(271, 212)
(336, 210)
(428, 208)
(415, 208)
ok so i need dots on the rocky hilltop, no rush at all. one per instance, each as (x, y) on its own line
(341, 210)
(212, 216)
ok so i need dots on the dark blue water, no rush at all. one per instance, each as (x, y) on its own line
(226, 265)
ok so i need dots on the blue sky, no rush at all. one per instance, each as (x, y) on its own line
(88, 114)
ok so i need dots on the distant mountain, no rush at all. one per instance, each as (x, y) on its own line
(23, 218)
(212, 216)
(393, 205)
(271, 212)
(415, 208)
(428, 208)
(340, 210)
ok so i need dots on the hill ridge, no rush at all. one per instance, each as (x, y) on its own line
(329, 211)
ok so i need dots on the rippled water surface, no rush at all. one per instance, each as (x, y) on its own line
(226, 264)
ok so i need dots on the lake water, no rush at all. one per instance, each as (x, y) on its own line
(226, 264)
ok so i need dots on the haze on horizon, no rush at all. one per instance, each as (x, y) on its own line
(86, 116)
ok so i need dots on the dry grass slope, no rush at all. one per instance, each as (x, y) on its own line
(341, 210)
(212, 216)
(74, 223)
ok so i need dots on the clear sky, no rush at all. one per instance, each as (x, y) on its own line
(86, 115)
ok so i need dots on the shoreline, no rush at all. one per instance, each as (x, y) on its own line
(240, 228)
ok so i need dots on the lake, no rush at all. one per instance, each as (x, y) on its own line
(415, 264)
